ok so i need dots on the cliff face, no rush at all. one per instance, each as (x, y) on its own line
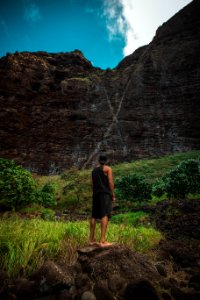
(58, 111)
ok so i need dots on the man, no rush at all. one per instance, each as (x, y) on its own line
(103, 195)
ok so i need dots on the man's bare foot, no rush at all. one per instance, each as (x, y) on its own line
(93, 243)
(105, 244)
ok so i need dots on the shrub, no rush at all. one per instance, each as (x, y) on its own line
(191, 168)
(176, 184)
(133, 187)
(16, 185)
(47, 214)
(158, 188)
(183, 179)
(180, 181)
(46, 195)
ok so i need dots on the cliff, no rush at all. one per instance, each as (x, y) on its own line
(58, 111)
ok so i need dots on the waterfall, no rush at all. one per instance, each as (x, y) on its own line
(115, 122)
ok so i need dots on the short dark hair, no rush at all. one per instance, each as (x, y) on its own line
(102, 159)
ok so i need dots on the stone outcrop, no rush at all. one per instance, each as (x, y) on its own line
(58, 111)
(114, 272)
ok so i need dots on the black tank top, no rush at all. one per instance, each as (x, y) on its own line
(100, 181)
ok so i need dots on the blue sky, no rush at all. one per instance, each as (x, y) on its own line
(104, 30)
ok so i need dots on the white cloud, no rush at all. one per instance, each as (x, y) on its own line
(130, 34)
(32, 13)
(137, 20)
(115, 22)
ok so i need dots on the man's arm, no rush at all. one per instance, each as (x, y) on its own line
(111, 183)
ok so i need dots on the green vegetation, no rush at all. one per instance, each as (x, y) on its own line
(133, 187)
(153, 168)
(26, 244)
(71, 191)
(36, 210)
(16, 185)
(131, 218)
(180, 181)
(75, 192)
(80, 81)
(46, 195)
(18, 188)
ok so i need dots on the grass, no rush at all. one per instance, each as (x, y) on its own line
(152, 169)
(72, 187)
(26, 243)
(131, 218)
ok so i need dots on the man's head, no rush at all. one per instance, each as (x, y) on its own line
(102, 159)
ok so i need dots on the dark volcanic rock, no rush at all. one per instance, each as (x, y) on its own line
(178, 218)
(107, 262)
(58, 111)
(114, 272)
(141, 289)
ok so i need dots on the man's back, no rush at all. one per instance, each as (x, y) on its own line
(100, 181)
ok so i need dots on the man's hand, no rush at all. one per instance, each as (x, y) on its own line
(113, 198)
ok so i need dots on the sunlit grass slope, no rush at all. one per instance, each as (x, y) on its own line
(152, 169)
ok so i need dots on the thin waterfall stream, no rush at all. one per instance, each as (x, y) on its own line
(115, 122)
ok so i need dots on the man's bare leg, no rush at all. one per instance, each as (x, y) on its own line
(92, 230)
(104, 224)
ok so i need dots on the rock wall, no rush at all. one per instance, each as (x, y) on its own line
(58, 111)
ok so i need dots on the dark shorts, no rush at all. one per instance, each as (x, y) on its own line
(101, 206)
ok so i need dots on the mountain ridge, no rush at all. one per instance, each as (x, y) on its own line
(58, 111)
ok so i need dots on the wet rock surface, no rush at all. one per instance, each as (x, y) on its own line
(58, 111)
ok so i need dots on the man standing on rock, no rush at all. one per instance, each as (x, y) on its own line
(103, 195)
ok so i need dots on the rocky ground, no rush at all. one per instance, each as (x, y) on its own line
(170, 271)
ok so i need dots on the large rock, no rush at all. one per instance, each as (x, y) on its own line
(114, 272)
(58, 111)
(107, 262)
